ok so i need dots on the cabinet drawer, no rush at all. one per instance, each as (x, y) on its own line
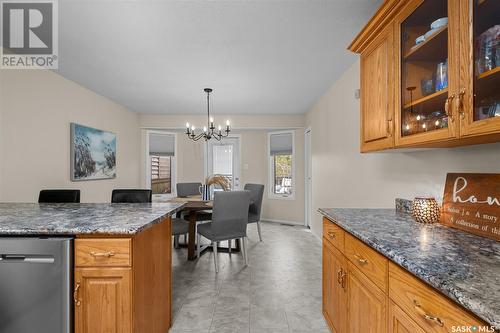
(427, 307)
(103, 252)
(333, 233)
(369, 261)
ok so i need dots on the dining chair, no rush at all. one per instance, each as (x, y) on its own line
(59, 196)
(179, 227)
(256, 194)
(229, 221)
(131, 196)
(187, 189)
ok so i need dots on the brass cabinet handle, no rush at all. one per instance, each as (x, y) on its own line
(339, 276)
(102, 254)
(426, 316)
(459, 103)
(449, 113)
(389, 127)
(331, 234)
(75, 294)
(360, 259)
(342, 280)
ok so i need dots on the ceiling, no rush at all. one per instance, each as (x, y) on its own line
(260, 57)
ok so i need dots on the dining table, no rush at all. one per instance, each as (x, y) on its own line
(194, 206)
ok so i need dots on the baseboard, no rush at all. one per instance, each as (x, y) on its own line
(295, 223)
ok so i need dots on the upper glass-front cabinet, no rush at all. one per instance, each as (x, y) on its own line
(426, 75)
(480, 108)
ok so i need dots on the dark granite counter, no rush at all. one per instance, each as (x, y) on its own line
(463, 266)
(77, 219)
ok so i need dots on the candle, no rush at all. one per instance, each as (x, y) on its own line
(425, 210)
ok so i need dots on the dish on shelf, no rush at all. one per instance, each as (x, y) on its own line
(420, 39)
(441, 22)
(430, 33)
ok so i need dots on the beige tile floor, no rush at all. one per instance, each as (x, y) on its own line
(280, 290)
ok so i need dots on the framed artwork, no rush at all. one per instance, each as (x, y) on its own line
(93, 153)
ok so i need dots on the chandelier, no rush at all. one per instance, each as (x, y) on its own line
(209, 131)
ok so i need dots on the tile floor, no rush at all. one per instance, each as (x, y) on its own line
(280, 290)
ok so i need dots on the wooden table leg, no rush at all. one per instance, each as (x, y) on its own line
(192, 236)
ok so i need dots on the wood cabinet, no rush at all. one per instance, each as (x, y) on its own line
(364, 292)
(377, 99)
(400, 322)
(124, 284)
(334, 288)
(103, 300)
(429, 83)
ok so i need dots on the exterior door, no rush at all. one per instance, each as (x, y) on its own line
(478, 101)
(427, 61)
(102, 300)
(377, 101)
(223, 158)
(367, 304)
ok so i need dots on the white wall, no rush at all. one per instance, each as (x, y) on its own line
(38, 107)
(342, 177)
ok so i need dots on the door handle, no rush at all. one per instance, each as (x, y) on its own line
(426, 316)
(102, 254)
(75, 295)
(339, 276)
(360, 259)
(447, 107)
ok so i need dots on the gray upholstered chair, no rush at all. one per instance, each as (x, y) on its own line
(256, 194)
(229, 221)
(179, 227)
(187, 189)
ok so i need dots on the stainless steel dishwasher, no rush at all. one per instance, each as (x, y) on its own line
(35, 285)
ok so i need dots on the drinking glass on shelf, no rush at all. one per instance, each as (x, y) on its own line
(442, 75)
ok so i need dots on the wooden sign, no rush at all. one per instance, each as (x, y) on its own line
(471, 203)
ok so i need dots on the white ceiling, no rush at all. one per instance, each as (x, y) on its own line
(260, 57)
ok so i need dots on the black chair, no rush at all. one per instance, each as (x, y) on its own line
(59, 196)
(131, 196)
(256, 194)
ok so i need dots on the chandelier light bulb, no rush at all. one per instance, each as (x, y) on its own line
(205, 129)
(187, 125)
(192, 128)
(220, 128)
(227, 122)
(211, 119)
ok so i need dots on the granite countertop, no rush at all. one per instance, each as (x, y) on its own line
(79, 219)
(463, 266)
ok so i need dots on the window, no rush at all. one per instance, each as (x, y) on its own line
(161, 163)
(281, 164)
(161, 174)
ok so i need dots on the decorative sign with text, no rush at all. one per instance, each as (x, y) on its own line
(471, 203)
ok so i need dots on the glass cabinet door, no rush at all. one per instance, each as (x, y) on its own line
(425, 71)
(486, 56)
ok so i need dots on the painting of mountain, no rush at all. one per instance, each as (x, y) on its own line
(93, 153)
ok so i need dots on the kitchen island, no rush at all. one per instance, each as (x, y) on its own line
(121, 260)
(424, 278)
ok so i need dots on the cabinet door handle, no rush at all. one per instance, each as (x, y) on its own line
(360, 259)
(102, 254)
(389, 127)
(75, 294)
(426, 316)
(339, 276)
(342, 280)
(449, 112)
(331, 234)
(459, 103)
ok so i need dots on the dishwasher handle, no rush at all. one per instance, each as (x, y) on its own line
(26, 258)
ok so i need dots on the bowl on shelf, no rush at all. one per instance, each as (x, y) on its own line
(441, 22)
(420, 39)
(430, 33)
